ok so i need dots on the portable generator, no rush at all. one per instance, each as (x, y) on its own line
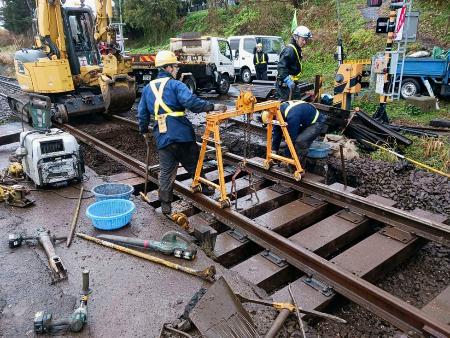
(50, 157)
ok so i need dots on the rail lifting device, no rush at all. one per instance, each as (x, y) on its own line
(245, 105)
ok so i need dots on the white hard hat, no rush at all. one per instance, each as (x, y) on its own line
(165, 57)
(303, 31)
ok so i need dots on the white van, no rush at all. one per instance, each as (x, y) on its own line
(243, 47)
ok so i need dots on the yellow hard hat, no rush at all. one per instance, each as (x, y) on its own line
(165, 57)
(265, 116)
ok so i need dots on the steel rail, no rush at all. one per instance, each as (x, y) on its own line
(420, 226)
(433, 231)
(401, 314)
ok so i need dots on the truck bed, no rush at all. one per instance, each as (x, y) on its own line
(427, 67)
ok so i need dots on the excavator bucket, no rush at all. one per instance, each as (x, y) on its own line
(118, 92)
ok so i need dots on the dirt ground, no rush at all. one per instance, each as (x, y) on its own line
(130, 298)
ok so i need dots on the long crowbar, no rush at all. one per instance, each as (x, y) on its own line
(207, 274)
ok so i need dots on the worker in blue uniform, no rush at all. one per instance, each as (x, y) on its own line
(304, 124)
(166, 99)
(290, 65)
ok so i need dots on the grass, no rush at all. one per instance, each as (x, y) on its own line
(433, 152)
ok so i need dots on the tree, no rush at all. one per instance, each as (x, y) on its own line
(17, 16)
(156, 18)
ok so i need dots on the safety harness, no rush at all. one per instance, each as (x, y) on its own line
(296, 77)
(263, 59)
(292, 104)
(158, 92)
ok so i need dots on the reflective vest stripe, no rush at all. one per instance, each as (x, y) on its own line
(158, 92)
(292, 104)
(263, 59)
(296, 77)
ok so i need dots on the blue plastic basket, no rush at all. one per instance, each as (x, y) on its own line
(318, 150)
(111, 214)
(112, 191)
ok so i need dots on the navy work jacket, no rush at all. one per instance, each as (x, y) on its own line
(299, 118)
(177, 97)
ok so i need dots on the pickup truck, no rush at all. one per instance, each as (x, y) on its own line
(205, 63)
(425, 75)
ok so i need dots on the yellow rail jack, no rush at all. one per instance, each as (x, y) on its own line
(245, 105)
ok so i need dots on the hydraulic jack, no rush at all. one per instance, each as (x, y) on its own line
(43, 322)
(44, 238)
(172, 243)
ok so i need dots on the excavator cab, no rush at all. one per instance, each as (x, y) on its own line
(81, 45)
(65, 65)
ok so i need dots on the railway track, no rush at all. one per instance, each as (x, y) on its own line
(322, 239)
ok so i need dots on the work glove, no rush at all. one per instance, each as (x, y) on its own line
(289, 82)
(220, 107)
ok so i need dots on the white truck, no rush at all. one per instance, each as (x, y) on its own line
(243, 48)
(205, 63)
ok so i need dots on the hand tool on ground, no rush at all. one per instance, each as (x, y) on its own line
(202, 233)
(219, 314)
(344, 172)
(168, 327)
(291, 308)
(173, 243)
(147, 161)
(417, 163)
(44, 238)
(297, 311)
(206, 274)
(75, 219)
(43, 322)
(183, 221)
(15, 195)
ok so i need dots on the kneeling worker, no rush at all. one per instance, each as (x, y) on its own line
(167, 99)
(304, 122)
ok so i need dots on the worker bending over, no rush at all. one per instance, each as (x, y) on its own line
(290, 64)
(260, 60)
(167, 99)
(304, 124)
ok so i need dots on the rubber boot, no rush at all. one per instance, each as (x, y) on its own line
(166, 208)
(166, 200)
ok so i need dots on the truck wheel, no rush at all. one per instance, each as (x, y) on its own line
(410, 87)
(246, 75)
(224, 85)
(190, 83)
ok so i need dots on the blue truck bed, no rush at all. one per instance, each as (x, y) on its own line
(426, 67)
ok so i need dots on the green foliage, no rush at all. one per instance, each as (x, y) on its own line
(17, 15)
(242, 20)
(433, 152)
(196, 22)
(156, 18)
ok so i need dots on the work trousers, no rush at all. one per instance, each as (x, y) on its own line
(306, 138)
(187, 154)
(261, 73)
(283, 92)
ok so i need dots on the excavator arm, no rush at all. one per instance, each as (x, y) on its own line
(50, 28)
(118, 88)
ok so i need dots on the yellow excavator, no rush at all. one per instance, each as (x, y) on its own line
(76, 61)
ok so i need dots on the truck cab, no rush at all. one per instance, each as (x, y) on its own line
(243, 48)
